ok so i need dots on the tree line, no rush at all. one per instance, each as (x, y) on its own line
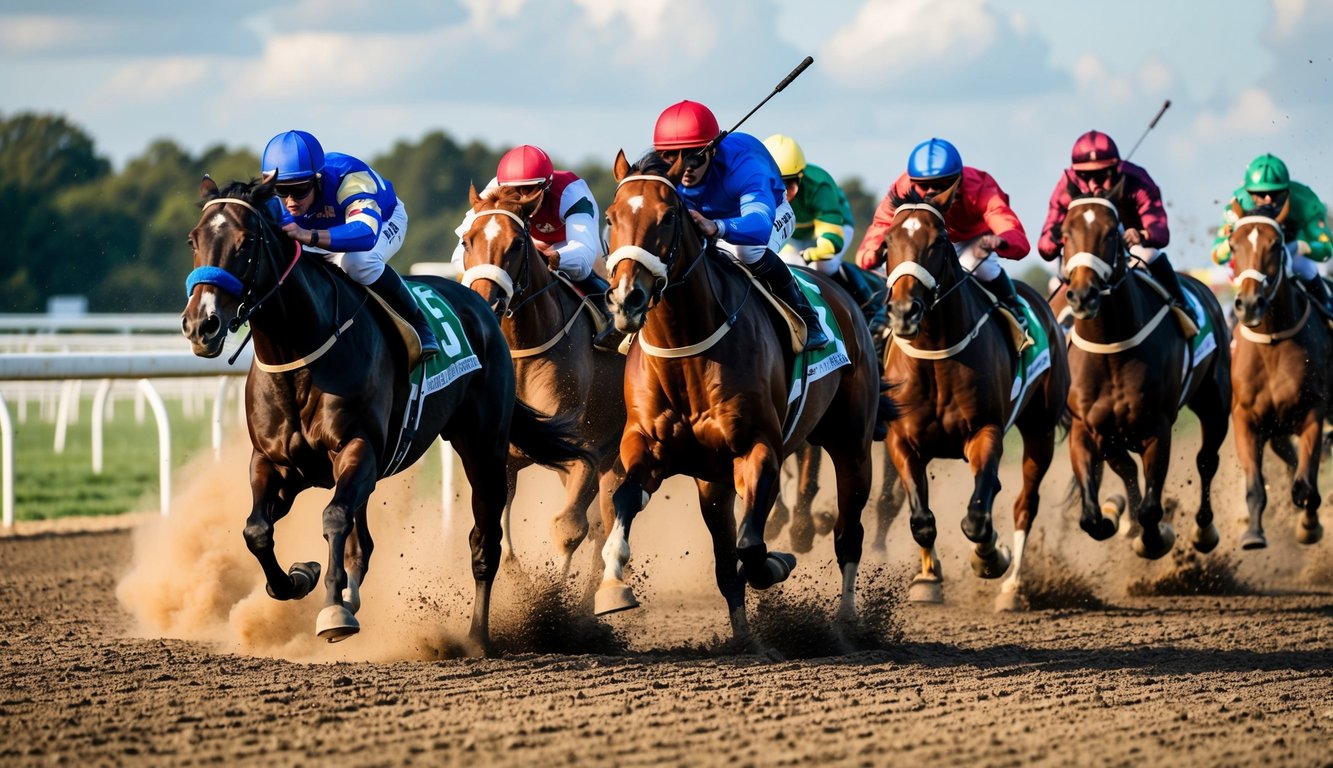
(119, 237)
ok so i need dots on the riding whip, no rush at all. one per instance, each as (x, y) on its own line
(786, 81)
(1151, 125)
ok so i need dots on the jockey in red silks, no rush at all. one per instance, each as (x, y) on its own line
(978, 219)
(564, 225)
(339, 207)
(1095, 169)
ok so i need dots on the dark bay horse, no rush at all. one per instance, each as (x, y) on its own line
(707, 385)
(327, 393)
(957, 384)
(1282, 371)
(550, 333)
(1132, 369)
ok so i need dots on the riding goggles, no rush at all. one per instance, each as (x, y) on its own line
(296, 191)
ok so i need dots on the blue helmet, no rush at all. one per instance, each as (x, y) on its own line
(294, 155)
(933, 159)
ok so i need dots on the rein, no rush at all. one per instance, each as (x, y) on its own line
(659, 269)
(221, 278)
(502, 278)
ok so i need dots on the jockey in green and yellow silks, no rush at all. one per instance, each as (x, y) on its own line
(1305, 225)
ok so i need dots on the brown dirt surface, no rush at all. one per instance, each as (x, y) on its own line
(154, 644)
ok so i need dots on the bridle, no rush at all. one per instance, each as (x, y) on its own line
(1112, 243)
(916, 269)
(1268, 284)
(658, 267)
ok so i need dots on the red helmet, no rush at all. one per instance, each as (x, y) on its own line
(524, 165)
(684, 125)
(1094, 150)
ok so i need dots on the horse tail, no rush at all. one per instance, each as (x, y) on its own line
(546, 440)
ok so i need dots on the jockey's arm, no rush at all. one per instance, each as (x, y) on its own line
(868, 254)
(828, 241)
(1051, 232)
(1004, 222)
(583, 243)
(359, 230)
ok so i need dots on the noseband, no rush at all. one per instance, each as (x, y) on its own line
(915, 268)
(658, 267)
(1099, 266)
(1268, 284)
(242, 287)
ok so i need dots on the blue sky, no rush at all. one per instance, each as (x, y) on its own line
(1011, 83)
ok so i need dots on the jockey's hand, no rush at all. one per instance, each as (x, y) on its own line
(1133, 237)
(551, 255)
(1302, 248)
(704, 224)
(297, 232)
(823, 250)
(988, 243)
(874, 258)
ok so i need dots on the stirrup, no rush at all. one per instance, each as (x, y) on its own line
(1186, 319)
(815, 338)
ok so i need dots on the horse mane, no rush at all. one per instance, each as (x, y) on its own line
(1269, 210)
(254, 192)
(911, 197)
(650, 164)
(499, 194)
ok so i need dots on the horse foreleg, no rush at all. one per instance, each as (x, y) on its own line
(928, 585)
(803, 525)
(273, 493)
(1305, 488)
(1250, 453)
(354, 471)
(1208, 405)
(1086, 462)
(1158, 536)
(484, 464)
(631, 497)
(507, 520)
(983, 450)
(1128, 472)
(756, 473)
(716, 501)
(889, 502)
(1038, 450)
(357, 557)
(854, 473)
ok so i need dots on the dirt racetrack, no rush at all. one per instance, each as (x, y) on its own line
(157, 646)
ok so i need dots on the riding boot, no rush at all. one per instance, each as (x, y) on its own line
(594, 288)
(1318, 291)
(390, 287)
(778, 279)
(1005, 293)
(1165, 274)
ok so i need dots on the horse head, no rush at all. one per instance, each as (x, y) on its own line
(498, 250)
(921, 262)
(236, 247)
(1094, 255)
(1260, 261)
(647, 226)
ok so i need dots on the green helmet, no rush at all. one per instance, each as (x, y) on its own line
(1267, 174)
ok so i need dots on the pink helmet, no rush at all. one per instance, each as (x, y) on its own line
(1094, 150)
(524, 165)
(684, 125)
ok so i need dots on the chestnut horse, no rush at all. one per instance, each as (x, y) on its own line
(329, 389)
(958, 385)
(1282, 372)
(549, 330)
(708, 393)
(1132, 369)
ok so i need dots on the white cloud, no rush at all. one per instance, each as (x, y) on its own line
(25, 35)
(888, 39)
(156, 80)
(1251, 114)
(1287, 16)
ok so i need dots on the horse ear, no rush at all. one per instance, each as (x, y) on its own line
(268, 179)
(472, 195)
(208, 189)
(620, 168)
(1236, 209)
(1286, 209)
(943, 199)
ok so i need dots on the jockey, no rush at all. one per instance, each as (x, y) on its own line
(978, 218)
(823, 216)
(1305, 227)
(339, 207)
(563, 226)
(1095, 168)
(735, 195)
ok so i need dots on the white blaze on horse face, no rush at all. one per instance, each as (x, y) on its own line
(217, 223)
(635, 203)
(1088, 217)
(911, 226)
(492, 229)
(1254, 238)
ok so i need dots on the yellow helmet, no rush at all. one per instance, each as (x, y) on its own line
(787, 153)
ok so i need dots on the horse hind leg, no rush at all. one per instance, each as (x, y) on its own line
(716, 501)
(1213, 417)
(1123, 465)
(569, 527)
(1305, 489)
(854, 475)
(1038, 450)
(1157, 536)
(274, 494)
(757, 475)
(888, 504)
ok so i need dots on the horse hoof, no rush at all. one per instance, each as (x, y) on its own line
(1253, 540)
(335, 623)
(1167, 536)
(1206, 539)
(1310, 535)
(613, 596)
(304, 577)
(926, 589)
(1010, 599)
(1101, 529)
(824, 523)
(994, 566)
(780, 566)
(352, 595)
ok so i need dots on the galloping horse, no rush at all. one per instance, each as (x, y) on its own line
(958, 385)
(550, 337)
(1131, 373)
(329, 391)
(709, 393)
(1282, 373)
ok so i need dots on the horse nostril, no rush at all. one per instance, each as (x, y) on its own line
(636, 299)
(917, 309)
(212, 325)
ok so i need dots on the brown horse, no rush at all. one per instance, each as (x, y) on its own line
(1282, 373)
(1132, 369)
(549, 330)
(957, 384)
(707, 385)
(328, 395)
(803, 522)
